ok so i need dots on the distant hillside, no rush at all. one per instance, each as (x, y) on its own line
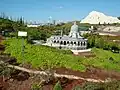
(95, 17)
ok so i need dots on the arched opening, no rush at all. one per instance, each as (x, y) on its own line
(61, 42)
(78, 43)
(81, 44)
(57, 41)
(54, 41)
(67, 42)
(72, 43)
(75, 43)
(64, 42)
(84, 43)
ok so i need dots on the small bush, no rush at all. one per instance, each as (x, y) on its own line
(77, 88)
(35, 87)
(57, 86)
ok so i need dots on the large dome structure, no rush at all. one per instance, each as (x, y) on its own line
(74, 27)
(74, 33)
(73, 42)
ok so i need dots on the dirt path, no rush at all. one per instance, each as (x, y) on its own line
(54, 74)
(91, 72)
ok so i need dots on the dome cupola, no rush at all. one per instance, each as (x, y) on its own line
(74, 33)
(74, 27)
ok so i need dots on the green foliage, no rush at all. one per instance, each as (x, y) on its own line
(43, 56)
(92, 86)
(5, 71)
(57, 86)
(47, 57)
(40, 33)
(20, 20)
(102, 42)
(35, 87)
(104, 59)
(9, 25)
(13, 34)
(11, 29)
(77, 88)
(114, 85)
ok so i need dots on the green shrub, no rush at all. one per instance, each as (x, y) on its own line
(77, 88)
(103, 42)
(93, 86)
(113, 85)
(43, 56)
(35, 87)
(57, 86)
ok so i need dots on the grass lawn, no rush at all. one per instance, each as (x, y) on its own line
(104, 59)
(47, 57)
(43, 56)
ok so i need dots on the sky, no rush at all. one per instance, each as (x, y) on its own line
(66, 10)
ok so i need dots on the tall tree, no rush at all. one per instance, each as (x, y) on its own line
(21, 20)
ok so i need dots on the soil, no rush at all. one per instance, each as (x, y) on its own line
(3, 84)
(91, 72)
(86, 54)
(23, 81)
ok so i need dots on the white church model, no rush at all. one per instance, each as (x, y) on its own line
(73, 41)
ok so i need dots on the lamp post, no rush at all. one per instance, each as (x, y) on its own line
(22, 34)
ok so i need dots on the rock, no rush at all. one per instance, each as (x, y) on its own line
(11, 80)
